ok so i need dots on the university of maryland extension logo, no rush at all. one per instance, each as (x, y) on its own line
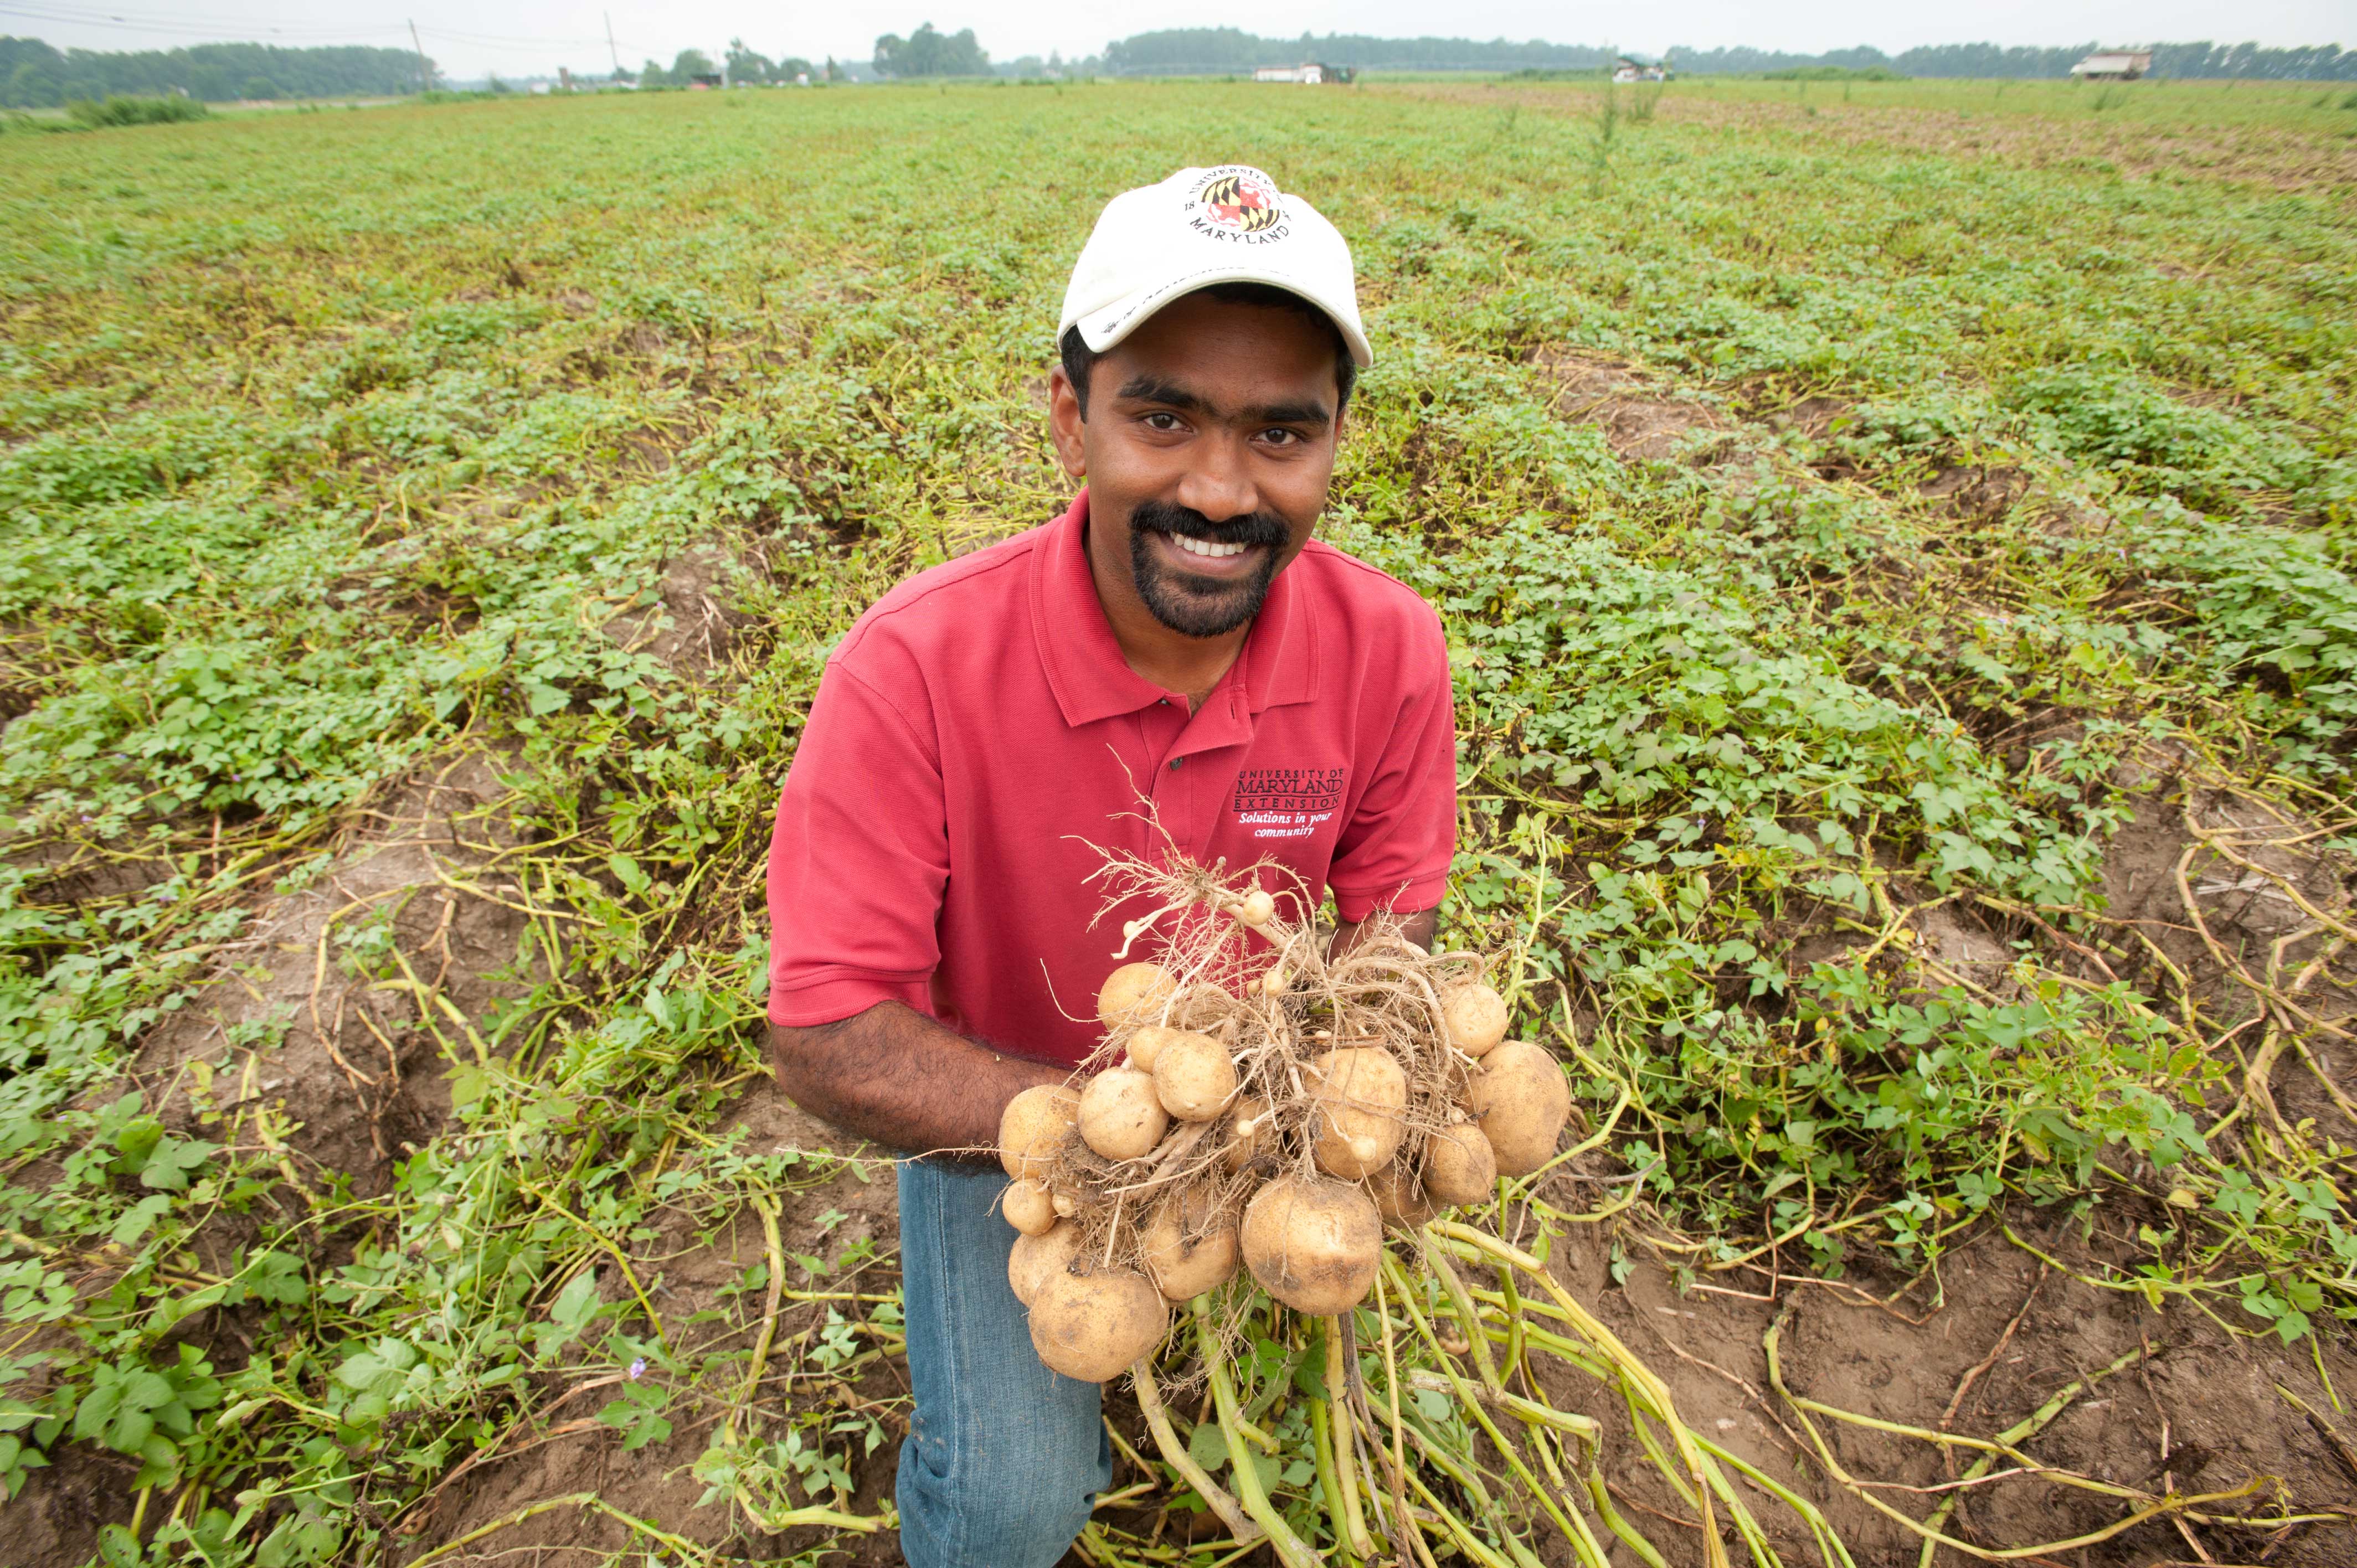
(1237, 201)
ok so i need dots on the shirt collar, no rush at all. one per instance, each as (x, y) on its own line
(1083, 658)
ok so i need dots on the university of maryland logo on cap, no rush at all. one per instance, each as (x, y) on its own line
(1237, 201)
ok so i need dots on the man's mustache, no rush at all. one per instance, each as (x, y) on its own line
(1168, 517)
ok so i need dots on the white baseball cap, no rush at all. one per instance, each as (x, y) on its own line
(1201, 227)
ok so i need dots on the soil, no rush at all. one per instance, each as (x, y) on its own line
(356, 1066)
(2238, 929)
(1976, 492)
(1639, 424)
(2197, 1406)
(694, 625)
(1813, 417)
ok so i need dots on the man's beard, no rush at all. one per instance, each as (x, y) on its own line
(1194, 605)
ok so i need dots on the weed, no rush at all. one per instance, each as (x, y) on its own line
(118, 110)
(1607, 128)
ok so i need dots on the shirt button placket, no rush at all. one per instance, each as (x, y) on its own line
(1165, 780)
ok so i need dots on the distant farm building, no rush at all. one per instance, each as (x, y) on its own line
(2114, 65)
(1633, 70)
(1308, 74)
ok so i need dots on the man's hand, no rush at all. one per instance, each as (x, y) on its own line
(893, 1076)
(1418, 927)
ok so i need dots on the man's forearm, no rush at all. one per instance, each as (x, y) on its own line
(895, 1077)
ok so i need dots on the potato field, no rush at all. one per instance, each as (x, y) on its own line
(1896, 545)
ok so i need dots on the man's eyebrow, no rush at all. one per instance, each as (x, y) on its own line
(1154, 389)
(1302, 412)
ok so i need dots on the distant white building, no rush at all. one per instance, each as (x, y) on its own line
(1308, 75)
(2114, 65)
(1631, 69)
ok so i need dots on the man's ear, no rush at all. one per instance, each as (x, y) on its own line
(1065, 426)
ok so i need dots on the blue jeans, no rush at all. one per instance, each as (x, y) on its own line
(1005, 1457)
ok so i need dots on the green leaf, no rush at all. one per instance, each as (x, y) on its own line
(1208, 1447)
(277, 1278)
(137, 1219)
(173, 1161)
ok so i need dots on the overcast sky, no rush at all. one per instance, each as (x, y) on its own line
(468, 37)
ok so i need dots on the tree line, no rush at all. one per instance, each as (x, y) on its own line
(1223, 51)
(1192, 51)
(2204, 60)
(744, 65)
(34, 75)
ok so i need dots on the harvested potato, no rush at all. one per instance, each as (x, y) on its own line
(1120, 1117)
(1190, 1245)
(1400, 1197)
(1359, 1105)
(1460, 1166)
(1193, 1075)
(1520, 1099)
(1093, 1326)
(1145, 1045)
(1033, 1127)
(1314, 1245)
(1029, 1207)
(1251, 1129)
(1475, 1016)
(1036, 1259)
(1134, 993)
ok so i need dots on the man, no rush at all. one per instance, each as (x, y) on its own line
(1173, 656)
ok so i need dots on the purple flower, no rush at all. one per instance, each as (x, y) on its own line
(638, 1369)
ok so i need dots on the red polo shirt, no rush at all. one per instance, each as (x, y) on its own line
(979, 723)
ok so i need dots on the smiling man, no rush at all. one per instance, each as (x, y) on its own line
(1174, 663)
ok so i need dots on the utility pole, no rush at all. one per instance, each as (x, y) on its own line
(425, 71)
(609, 44)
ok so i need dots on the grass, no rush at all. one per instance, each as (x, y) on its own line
(342, 448)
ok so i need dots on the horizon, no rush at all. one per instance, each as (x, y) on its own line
(524, 39)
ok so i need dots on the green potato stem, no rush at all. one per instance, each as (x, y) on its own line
(1291, 1550)
(1157, 1421)
(1352, 1525)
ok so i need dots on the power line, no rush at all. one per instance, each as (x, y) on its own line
(135, 14)
(510, 38)
(119, 23)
